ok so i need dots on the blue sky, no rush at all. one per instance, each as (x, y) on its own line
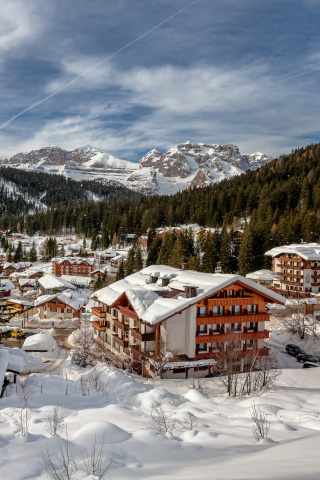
(245, 72)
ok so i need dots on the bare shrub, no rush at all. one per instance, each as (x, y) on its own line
(25, 391)
(64, 467)
(97, 385)
(160, 420)
(165, 423)
(23, 420)
(54, 421)
(94, 460)
(261, 425)
(189, 422)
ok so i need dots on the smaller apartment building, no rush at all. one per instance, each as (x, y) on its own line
(190, 314)
(60, 306)
(298, 266)
(75, 266)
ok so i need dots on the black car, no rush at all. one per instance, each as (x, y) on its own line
(304, 357)
(294, 349)
(309, 364)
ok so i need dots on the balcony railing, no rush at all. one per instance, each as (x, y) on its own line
(135, 351)
(232, 336)
(237, 318)
(262, 352)
(98, 312)
(123, 342)
(128, 312)
(98, 326)
(143, 337)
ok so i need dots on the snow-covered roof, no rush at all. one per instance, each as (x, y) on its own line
(17, 266)
(263, 275)
(73, 260)
(18, 301)
(307, 251)
(26, 281)
(40, 342)
(6, 285)
(78, 280)
(9, 362)
(52, 281)
(69, 297)
(153, 302)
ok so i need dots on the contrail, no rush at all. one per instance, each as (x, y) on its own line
(66, 85)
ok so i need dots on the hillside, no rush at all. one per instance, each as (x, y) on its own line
(28, 192)
(183, 166)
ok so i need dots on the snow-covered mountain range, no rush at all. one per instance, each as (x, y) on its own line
(185, 165)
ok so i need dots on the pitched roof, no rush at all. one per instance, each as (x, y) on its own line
(153, 306)
(307, 251)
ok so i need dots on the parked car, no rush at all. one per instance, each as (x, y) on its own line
(294, 349)
(304, 357)
(310, 364)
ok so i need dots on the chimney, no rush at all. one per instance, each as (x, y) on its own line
(183, 266)
(191, 292)
(154, 277)
(165, 282)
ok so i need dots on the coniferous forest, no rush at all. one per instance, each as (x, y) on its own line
(277, 204)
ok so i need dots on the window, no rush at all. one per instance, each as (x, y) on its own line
(115, 329)
(255, 308)
(179, 370)
(126, 319)
(53, 309)
(237, 327)
(214, 346)
(202, 346)
(68, 310)
(230, 293)
(249, 308)
(250, 325)
(203, 329)
(217, 328)
(218, 311)
(249, 343)
(237, 309)
(203, 310)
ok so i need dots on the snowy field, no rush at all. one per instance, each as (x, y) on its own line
(220, 444)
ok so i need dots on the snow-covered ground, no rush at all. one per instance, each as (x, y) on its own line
(220, 445)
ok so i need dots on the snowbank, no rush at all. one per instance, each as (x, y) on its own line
(39, 343)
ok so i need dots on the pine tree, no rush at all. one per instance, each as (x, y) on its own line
(121, 271)
(33, 253)
(130, 263)
(18, 254)
(138, 265)
(154, 251)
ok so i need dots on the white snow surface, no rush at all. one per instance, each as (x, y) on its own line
(219, 446)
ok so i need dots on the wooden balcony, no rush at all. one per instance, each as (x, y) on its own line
(143, 337)
(231, 337)
(262, 352)
(242, 318)
(225, 302)
(98, 312)
(135, 351)
(128, 312)
(56, 305)
(118, 324)
(99, 326)
(123, 343)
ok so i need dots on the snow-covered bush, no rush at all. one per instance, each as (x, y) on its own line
(84, 352)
